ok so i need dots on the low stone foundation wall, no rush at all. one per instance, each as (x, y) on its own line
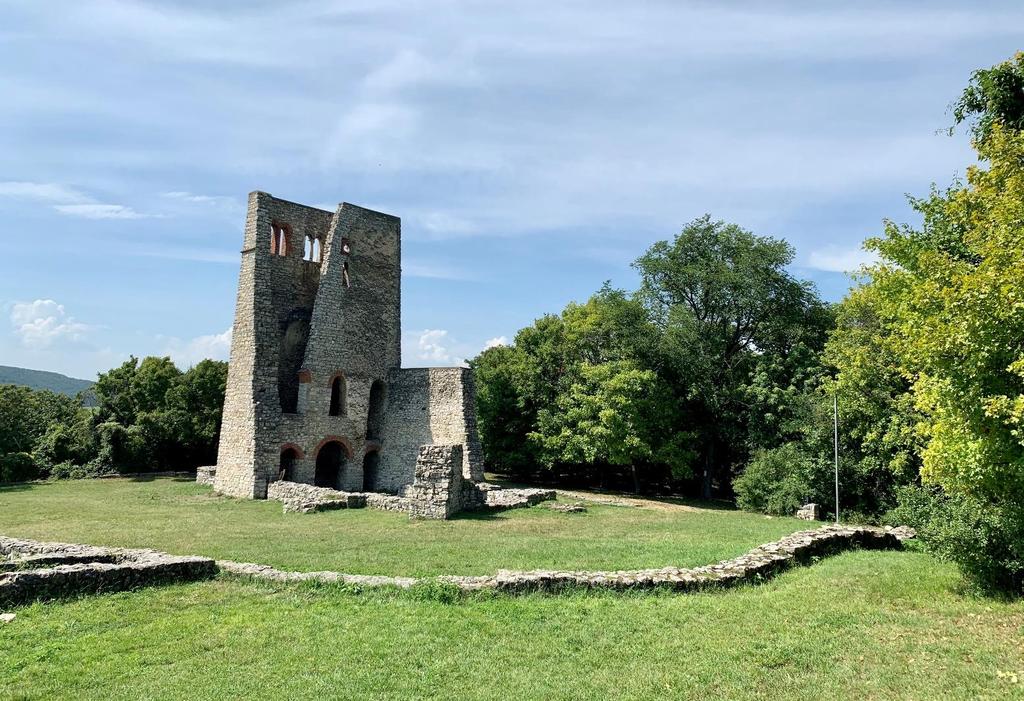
(438, 491)
(305, 498)
(33, 570)
(516, 498)
(83, 569)
(760, 563)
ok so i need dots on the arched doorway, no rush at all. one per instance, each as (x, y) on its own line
(330, 465)
(371, 469)
(286, 466)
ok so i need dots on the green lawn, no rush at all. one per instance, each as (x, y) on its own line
(863, 625)
(183, 518)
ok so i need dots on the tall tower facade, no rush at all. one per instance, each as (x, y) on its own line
(314, 385)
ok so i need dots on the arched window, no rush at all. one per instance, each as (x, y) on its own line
(280, 238)
(317, 253)
(338, 396)
(307, 250)
(375, 415)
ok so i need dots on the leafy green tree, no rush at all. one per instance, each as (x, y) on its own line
(113, 390)
(504, 418)
(151, 382)
(717, 293)
(994, 96)
(779, 480)
(611, 416)
(948, 307)
(26, 414)
(515, 383)
(153, 416)
(957, 323)
(195, 403)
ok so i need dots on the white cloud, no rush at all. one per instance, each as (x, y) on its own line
(446, 224)
(43, 322)
(67, 200)
(47, 192)
(840, 260)
(495, 342)
(187, 353)
(217, 201)
(409, 68)
(434, 271)
(100, 211)
(432, 346)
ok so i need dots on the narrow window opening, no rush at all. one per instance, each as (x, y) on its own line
(337, 407)
(344, 275)
(317, 253)
(280, 235)
(375, 415)
(307, 249)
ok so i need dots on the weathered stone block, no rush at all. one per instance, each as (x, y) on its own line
(206, 474)
(809, 512)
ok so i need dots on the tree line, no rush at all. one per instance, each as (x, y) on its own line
(149, 415)
(717, 376)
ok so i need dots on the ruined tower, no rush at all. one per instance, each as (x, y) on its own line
(315, 391)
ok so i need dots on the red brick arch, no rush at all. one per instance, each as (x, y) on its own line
(371, 447)
(292, 446)
(334, 439)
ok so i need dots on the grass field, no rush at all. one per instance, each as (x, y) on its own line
(862, 625)
(183, 518)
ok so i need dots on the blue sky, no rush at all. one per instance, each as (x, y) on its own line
(532, 149)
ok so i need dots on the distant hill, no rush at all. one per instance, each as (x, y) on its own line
(41, 379)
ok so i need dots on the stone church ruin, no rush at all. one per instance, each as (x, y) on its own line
(318, 411)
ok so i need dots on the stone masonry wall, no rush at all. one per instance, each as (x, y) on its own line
(32, 570)
(428, 406)
(756, 565)
(300, 325)
(437, 490)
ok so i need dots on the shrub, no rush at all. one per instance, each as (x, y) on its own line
(123, 449)
(17, 467)
(985, 540)
(67, 470)
(777, 481)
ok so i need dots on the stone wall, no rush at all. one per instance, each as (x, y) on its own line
(428, 406)
(305, 498)
(32, 570)
(757, 565)
(436, 491)
(439, 491)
